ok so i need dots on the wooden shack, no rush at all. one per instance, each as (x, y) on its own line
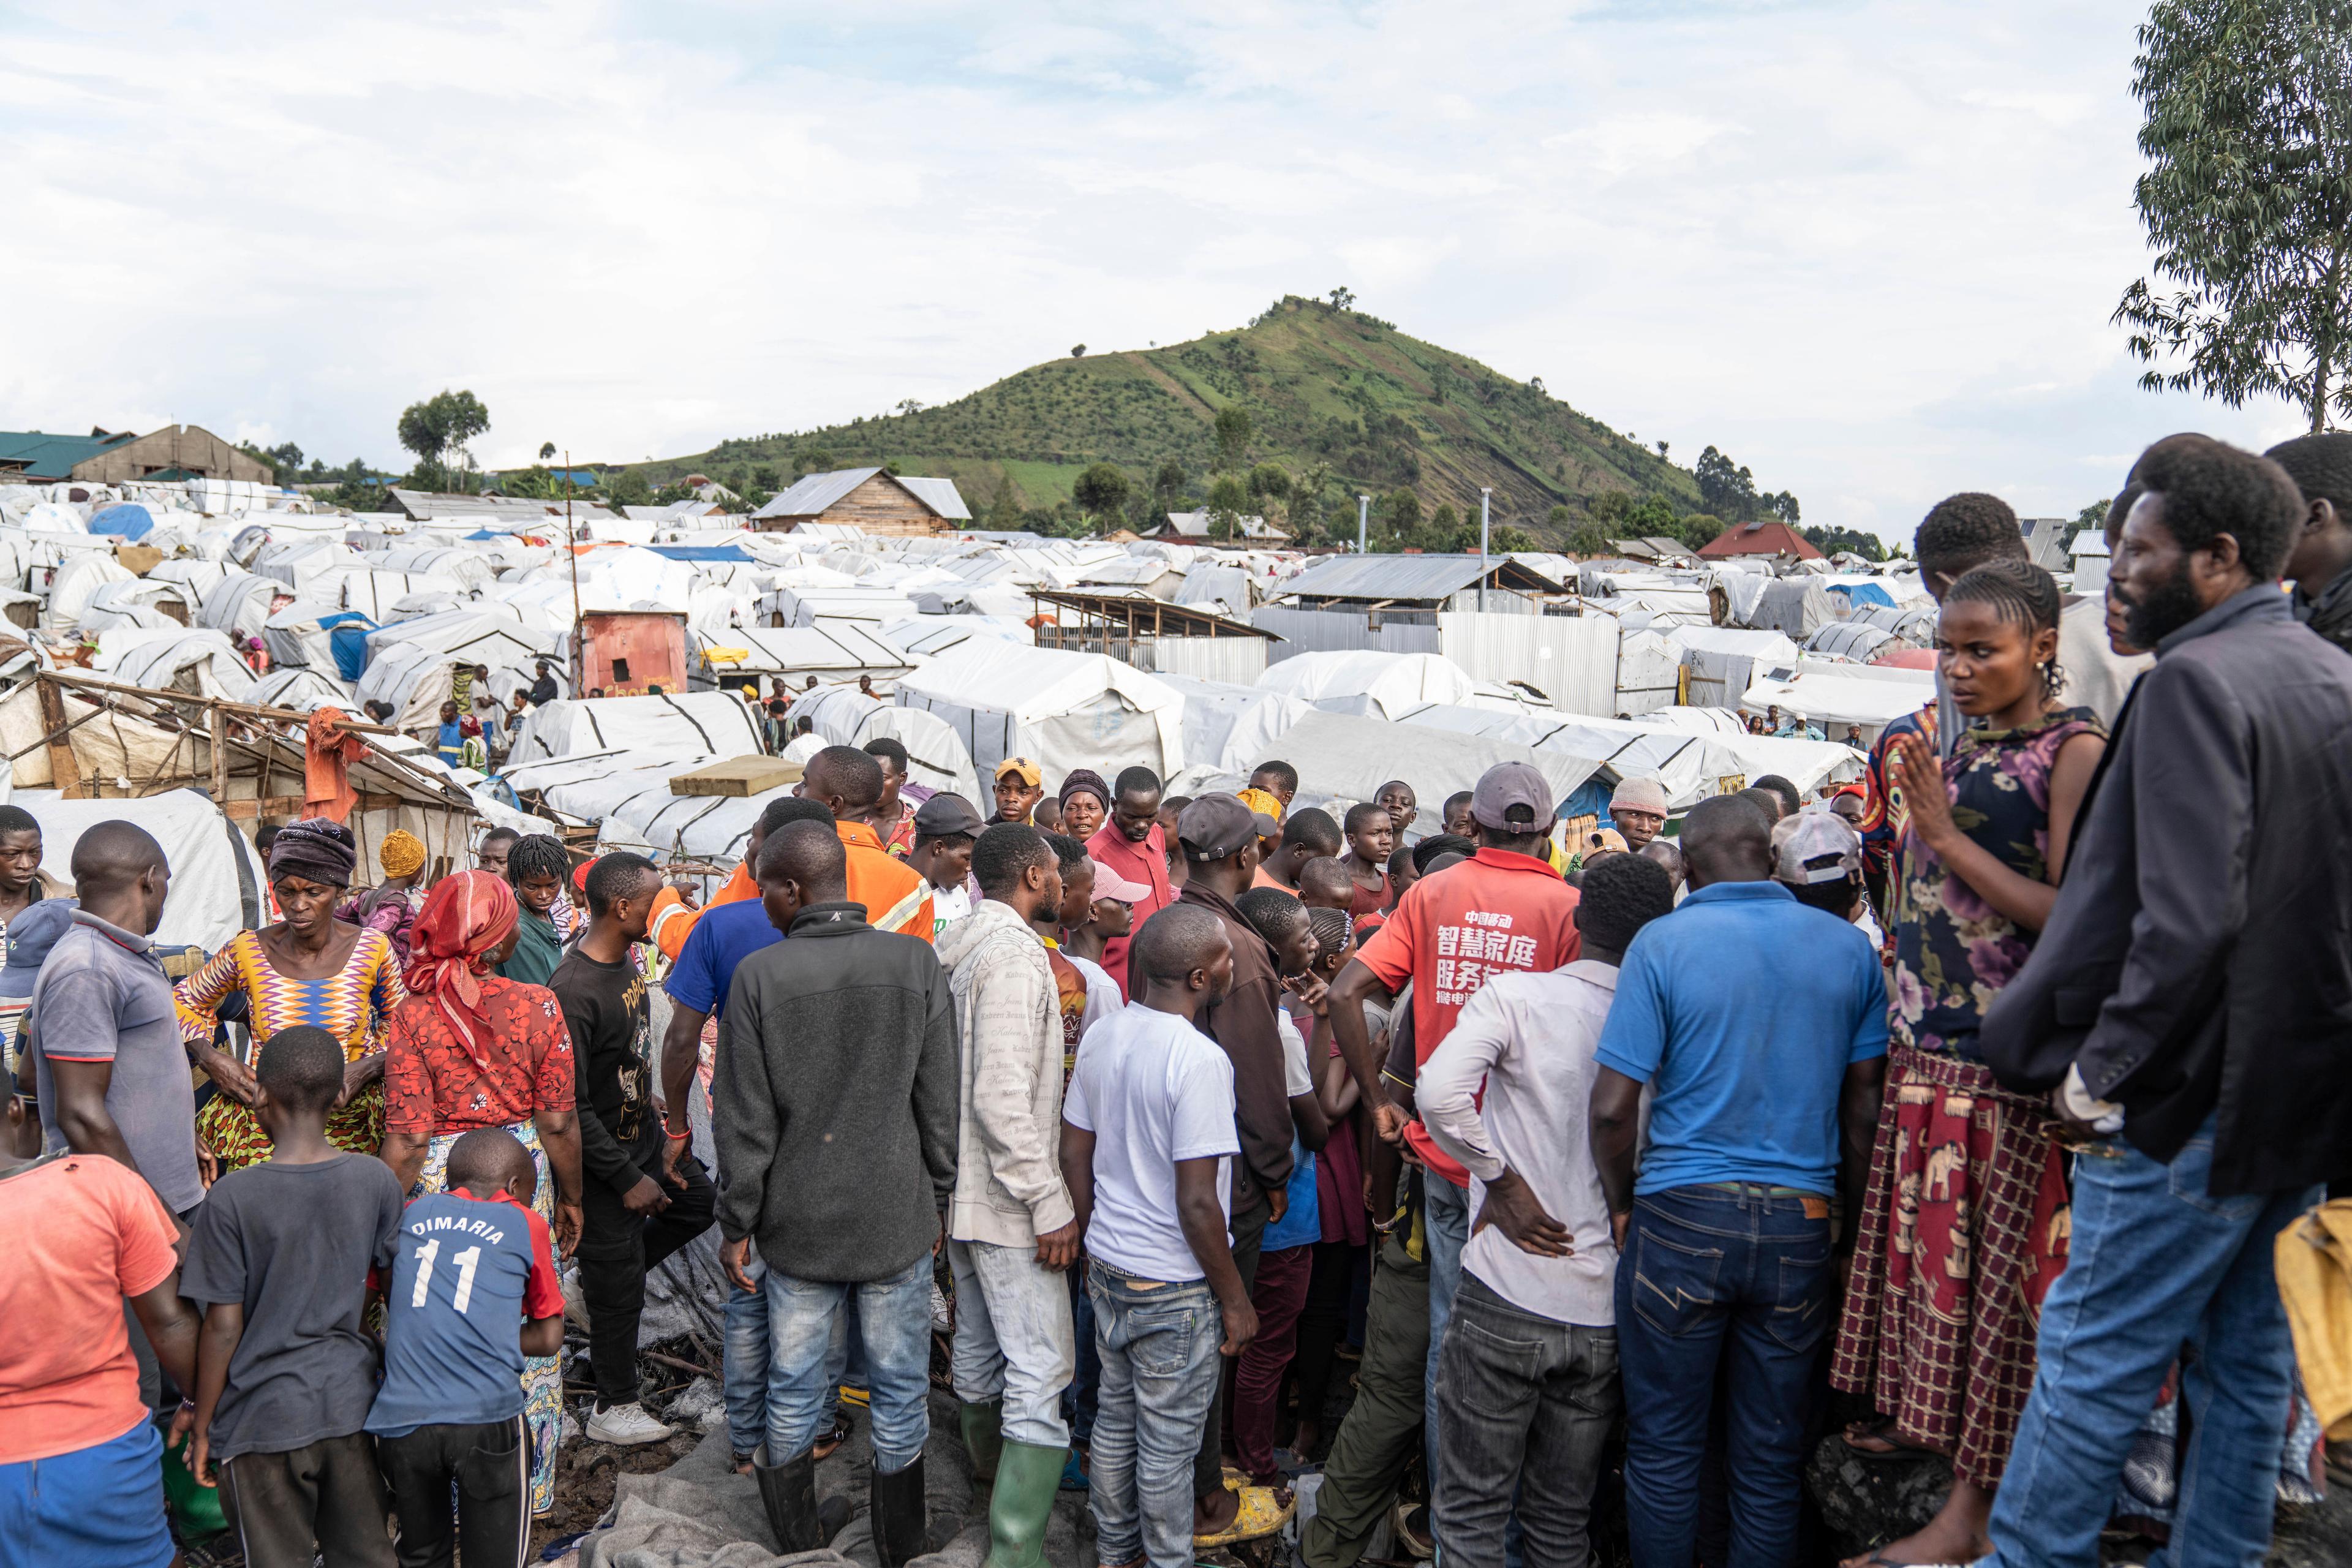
(873, 500)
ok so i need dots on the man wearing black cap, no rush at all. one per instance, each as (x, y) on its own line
(946, 827)
(1220, 835)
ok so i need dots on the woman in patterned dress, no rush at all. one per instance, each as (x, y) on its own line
(469, 1049)
(305, 968)
(1965, 1227)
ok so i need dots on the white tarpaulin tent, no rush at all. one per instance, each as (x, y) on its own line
(837, 650)
(200, 662)
(1724, 660)
(627, 792)
(1690, 766)
(1833, 696)
(306, 687)
(1370, 683)
(1232, 727)
(701, 723)
(76, 581)
(927, 636)
(1065, 709)
(936, 757)
(217, 877)
(410, 662)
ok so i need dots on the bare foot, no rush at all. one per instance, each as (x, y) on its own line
(1957, 1533)
(1213, 1514)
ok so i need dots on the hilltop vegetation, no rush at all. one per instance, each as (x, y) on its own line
(1321, 403)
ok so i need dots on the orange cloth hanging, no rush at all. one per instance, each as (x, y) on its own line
(327, 752)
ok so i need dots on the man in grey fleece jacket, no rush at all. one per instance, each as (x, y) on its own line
(835, 1117)
(1011, 1228)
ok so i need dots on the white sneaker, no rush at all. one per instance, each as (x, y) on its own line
(625, 1426)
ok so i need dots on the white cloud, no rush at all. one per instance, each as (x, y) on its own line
(1869, 249)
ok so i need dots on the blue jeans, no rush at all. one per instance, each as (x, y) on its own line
(744, 1361)
(808, 1346)
(1709, 1274)
(1446, 1226)
(1159, 1367)
(1078, 1399)
(2155, 1263)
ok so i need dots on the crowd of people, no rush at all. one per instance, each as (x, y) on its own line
(1971, 1102)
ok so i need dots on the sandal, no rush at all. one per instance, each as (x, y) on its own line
(1881, 1430)
(1263, 1511)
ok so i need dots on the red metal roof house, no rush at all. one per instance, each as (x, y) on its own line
(1769, 537)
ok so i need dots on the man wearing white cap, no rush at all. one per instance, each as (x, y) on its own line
(1639, 811)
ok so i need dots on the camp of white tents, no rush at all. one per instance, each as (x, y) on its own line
(1592, 671)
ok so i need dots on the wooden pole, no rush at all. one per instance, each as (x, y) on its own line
(63, 771)
(219, 749)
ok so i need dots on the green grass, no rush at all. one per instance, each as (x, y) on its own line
(1379, 410)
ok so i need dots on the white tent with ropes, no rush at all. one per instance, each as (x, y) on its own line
(936, 757)
(690, 723)
(410, 662)
(1066, 710)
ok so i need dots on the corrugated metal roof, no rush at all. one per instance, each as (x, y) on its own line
(1411, 577)
(813, 493)
(43, 456)
(1195, 525)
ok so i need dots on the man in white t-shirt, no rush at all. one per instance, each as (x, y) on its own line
(1539, 1270)
(946, 829)
(1148, 1133)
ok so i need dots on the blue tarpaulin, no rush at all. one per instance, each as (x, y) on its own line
(1863, 594)
(347, 633)
(125, 519)
(700, 551)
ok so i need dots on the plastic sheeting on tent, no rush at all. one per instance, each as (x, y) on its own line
(77, 579)
(1343, 759)
(409, 663)
(1649, 671)
(1369, 682)
(1834, 696)
(936, 757)
(216, 877)
(796, 604)
(300, 686)
(200, 662)
(1724, 660)
(134, 602)
(703, 724)
(927, 636)
(627, 791)
(1859, 594)
(374, 593)
(839, 650)
(127, 520)
(239, 603)
(1796, 605)
(1065, 709)
(1232, 728)
(1850, 640)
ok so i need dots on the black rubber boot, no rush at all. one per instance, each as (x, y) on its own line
(788, 1493)
(901, 1524)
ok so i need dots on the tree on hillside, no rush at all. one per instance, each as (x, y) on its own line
(1725, 488)
(1830, 540)
(1342, 298)
(546, 450)
(1228, 501)
(2248, 202)
(1783, 505)
(1698, 529)
(1102, 490)
(1077, 351)
(1233, 430)
(1169, 483)
(438, 426)
(628, 487)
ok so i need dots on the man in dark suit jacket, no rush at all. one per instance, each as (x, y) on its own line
(2191, 1002)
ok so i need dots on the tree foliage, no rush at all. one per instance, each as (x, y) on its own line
(1233, 430)
(2247, 202)
(439, 427)
(1725, 488)
(1831, 541)
(1228, 502)
(1102, 490)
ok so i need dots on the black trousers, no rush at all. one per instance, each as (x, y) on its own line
(617, 1249)
(489, 1465)
(329, 1492)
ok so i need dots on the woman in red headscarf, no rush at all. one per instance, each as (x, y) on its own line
(470, 1049)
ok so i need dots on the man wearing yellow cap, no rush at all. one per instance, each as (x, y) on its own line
(1020, 785)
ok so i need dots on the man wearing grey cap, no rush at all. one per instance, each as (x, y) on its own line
(1504, 910)
(1220, 835)
(1638, 809)
(947, 826)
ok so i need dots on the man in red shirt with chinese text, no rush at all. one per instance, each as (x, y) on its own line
(1504, 909)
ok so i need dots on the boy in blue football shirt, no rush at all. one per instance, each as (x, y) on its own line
(473, 1291)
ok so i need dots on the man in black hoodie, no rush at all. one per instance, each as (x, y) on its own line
(834, 1099)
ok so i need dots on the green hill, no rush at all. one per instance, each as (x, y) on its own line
(1339, 401)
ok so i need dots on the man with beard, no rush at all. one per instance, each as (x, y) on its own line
(2185, 1003)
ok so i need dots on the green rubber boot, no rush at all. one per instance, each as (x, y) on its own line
(984, 1439)
(1028, 1479)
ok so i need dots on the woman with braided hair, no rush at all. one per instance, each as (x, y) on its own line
(1966, 1224)
(304, 968)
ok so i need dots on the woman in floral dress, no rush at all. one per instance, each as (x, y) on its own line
(1965, 1227)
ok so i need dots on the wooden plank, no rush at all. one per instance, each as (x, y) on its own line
(738, 777)
(65, 774)
(219, 752)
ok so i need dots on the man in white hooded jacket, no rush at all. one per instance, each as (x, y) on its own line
(1011, 1229)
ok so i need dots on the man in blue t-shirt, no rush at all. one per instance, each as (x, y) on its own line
(1760, 1026)
(472, 1291)
(697, 984)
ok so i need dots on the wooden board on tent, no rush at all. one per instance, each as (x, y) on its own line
(740, 777)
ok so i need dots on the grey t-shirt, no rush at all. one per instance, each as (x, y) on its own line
(292, 1245)
(102, 997)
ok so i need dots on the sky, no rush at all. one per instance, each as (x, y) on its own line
(1869, 249)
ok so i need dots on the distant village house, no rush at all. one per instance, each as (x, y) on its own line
(120, 456)
(1197, 528)
(1770, 537)
(872, 499)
